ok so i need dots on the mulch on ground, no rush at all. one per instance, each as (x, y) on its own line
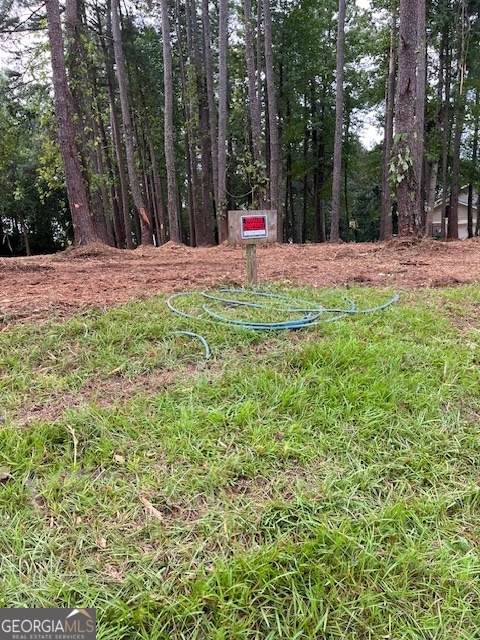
(103, 276)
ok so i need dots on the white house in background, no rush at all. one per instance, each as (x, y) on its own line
(462, 214)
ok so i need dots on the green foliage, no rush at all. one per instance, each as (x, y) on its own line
(32, 192)
(402, 161)
(366, 193)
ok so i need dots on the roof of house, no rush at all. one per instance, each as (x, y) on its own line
(462, 197)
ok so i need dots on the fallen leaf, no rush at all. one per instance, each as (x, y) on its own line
(102, 543)
(4, 473)
(110, 373)
(119, 459)
(154, 512)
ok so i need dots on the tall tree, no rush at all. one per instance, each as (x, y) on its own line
(274, 137)
(255, 115)
(386, 217)
(145, 223)
(83, 227)
(120, 184)
(462, 37)
(195, 228)
(172, 192)
(212, 111)
(337, 150)
(418, 138)
(222, 120)
(447, 64)
(473, 181)
(404, 142)
(204, 127)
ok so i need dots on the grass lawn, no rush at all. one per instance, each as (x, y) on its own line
(316, 484)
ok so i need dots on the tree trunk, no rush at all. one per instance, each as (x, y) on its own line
(405, 119)
(452, 229)
(432, 185)
(205, 148)
(386, 218)
(122, 174)
(121, 196)
(145, 225)
(319, 234)
(477, 226)
(446, 134)
(470, 211)
(212, 112)
(345, 179)
(26, 239)
(173, 216)
(275, 161)
(83, 87)
(420, 116)
(337, 150)
(158, 191)
(141, 146)
(463, 26)
(192, 174)
(83, 227)
(306, 140)
(255, 116)
(222, 122)
(471, 188)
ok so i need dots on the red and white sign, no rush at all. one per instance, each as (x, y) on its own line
(254, 227)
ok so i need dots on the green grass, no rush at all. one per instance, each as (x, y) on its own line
(313, 484)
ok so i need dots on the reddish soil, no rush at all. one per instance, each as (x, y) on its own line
(101, 276)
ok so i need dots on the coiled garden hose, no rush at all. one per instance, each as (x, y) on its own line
(313, 314)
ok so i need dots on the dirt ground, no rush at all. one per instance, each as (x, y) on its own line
(103, 276)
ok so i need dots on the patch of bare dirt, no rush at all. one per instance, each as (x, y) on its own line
(96, 275)
(101, 393)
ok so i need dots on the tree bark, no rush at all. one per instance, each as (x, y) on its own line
(83, 84)
(145, 225)
(195, 232)
(477, 225)
(404, 143)
(319, 233)
(212, 111)
(83, 227)
(463, 26)
(452, 229)
(222, 122)
(447, 62)
(121, 196)
(471, 187)
(420, 116)
(173, 216)
(386, 217)
(432, 185)
(255, 115)
(339, 102)
(275, 160)
(205, 146)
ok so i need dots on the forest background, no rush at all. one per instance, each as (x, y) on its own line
(170, 113)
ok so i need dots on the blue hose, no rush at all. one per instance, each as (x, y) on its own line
(313, 314)
(199, 337)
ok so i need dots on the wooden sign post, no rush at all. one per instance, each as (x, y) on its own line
(251, 228)
(252, 270)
